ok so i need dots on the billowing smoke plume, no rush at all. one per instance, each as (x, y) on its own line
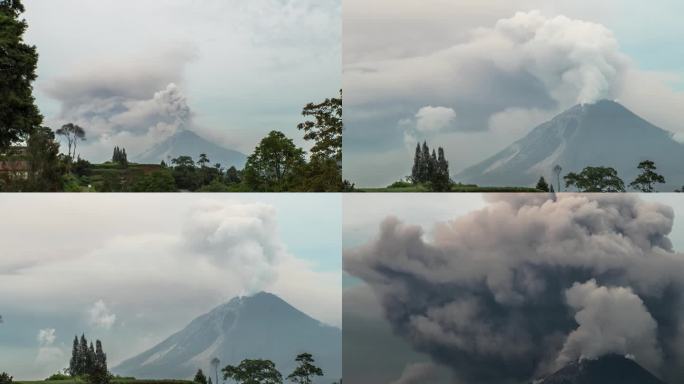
(512, 291)
(133, 105)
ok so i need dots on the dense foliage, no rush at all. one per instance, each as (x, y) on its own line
(19, 114)
(431, 169)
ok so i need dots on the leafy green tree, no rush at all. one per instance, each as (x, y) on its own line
(42, 152)
(200, 378)
(253, 371)
(5, 378)
(305, 370)
(185, 173)
(215, 186)
(275, 165)
(595, 179)
(325, 129)
(19, 114)
(648, 178)
(542, 185)
(233, 176)
(157, 181)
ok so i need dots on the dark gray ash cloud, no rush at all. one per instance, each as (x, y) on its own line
(515, 290)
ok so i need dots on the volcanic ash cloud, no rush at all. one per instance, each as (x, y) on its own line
(527, 284)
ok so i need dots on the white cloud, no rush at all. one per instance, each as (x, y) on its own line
(46, 336)
(48, 354)
(99, 315)
(433, 119)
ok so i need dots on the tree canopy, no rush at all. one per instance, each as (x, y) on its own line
(19, 114)
(305, 371)
(275, 164)
(645, 182)
(253, 371)
(595, 179)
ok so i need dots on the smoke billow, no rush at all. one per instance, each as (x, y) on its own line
(516, 289)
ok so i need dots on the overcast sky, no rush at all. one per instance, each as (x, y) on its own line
(367, 332)
(474, 76)
(133, 72)
(133, 269)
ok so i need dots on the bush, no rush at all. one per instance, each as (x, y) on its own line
(58, 376)
(5, 378)
(400, 184)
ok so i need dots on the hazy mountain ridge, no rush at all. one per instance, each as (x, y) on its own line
(188, 143)
(601, 134)
(259, 326)
(608, 369)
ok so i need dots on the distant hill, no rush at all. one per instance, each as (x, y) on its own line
(600, 134)
(260, 326)
(190, 144)
(609, 369)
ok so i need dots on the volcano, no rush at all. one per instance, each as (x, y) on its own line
(188, 143)
(608, 369)
(262, 326)
(601, 134)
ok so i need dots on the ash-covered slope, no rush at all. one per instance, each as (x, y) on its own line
(600, 134)
(609, 369)
(260, 326)
(187, 143)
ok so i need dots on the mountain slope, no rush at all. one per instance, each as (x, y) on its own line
(600, 134)
(188, 143)
(609, 369)
(260, 326)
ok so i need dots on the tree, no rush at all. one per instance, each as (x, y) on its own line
(595, 179)
(325, 130)
(5, 378)
(74, 363)
(42, 152)
(305, 370)
(233, 176)
(157, 181)
(185, 173)
(253, 371)
(203, 160)
(440, 180)
(557, 169)
(200, 378)
(120, 157)
(19, 114)
(275, 164)
(648, 177)
(83, 356)
(215, 364)
(73, 133)
(416, 171)
(542, 185)
(99, 374)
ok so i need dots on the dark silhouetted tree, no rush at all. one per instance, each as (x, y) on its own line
(646, 181)
(73, 134)
(253, 371)
(542, 185)
(595, 179)
(200, 378)
(19, 114)
(305, 371)
(5, 378)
